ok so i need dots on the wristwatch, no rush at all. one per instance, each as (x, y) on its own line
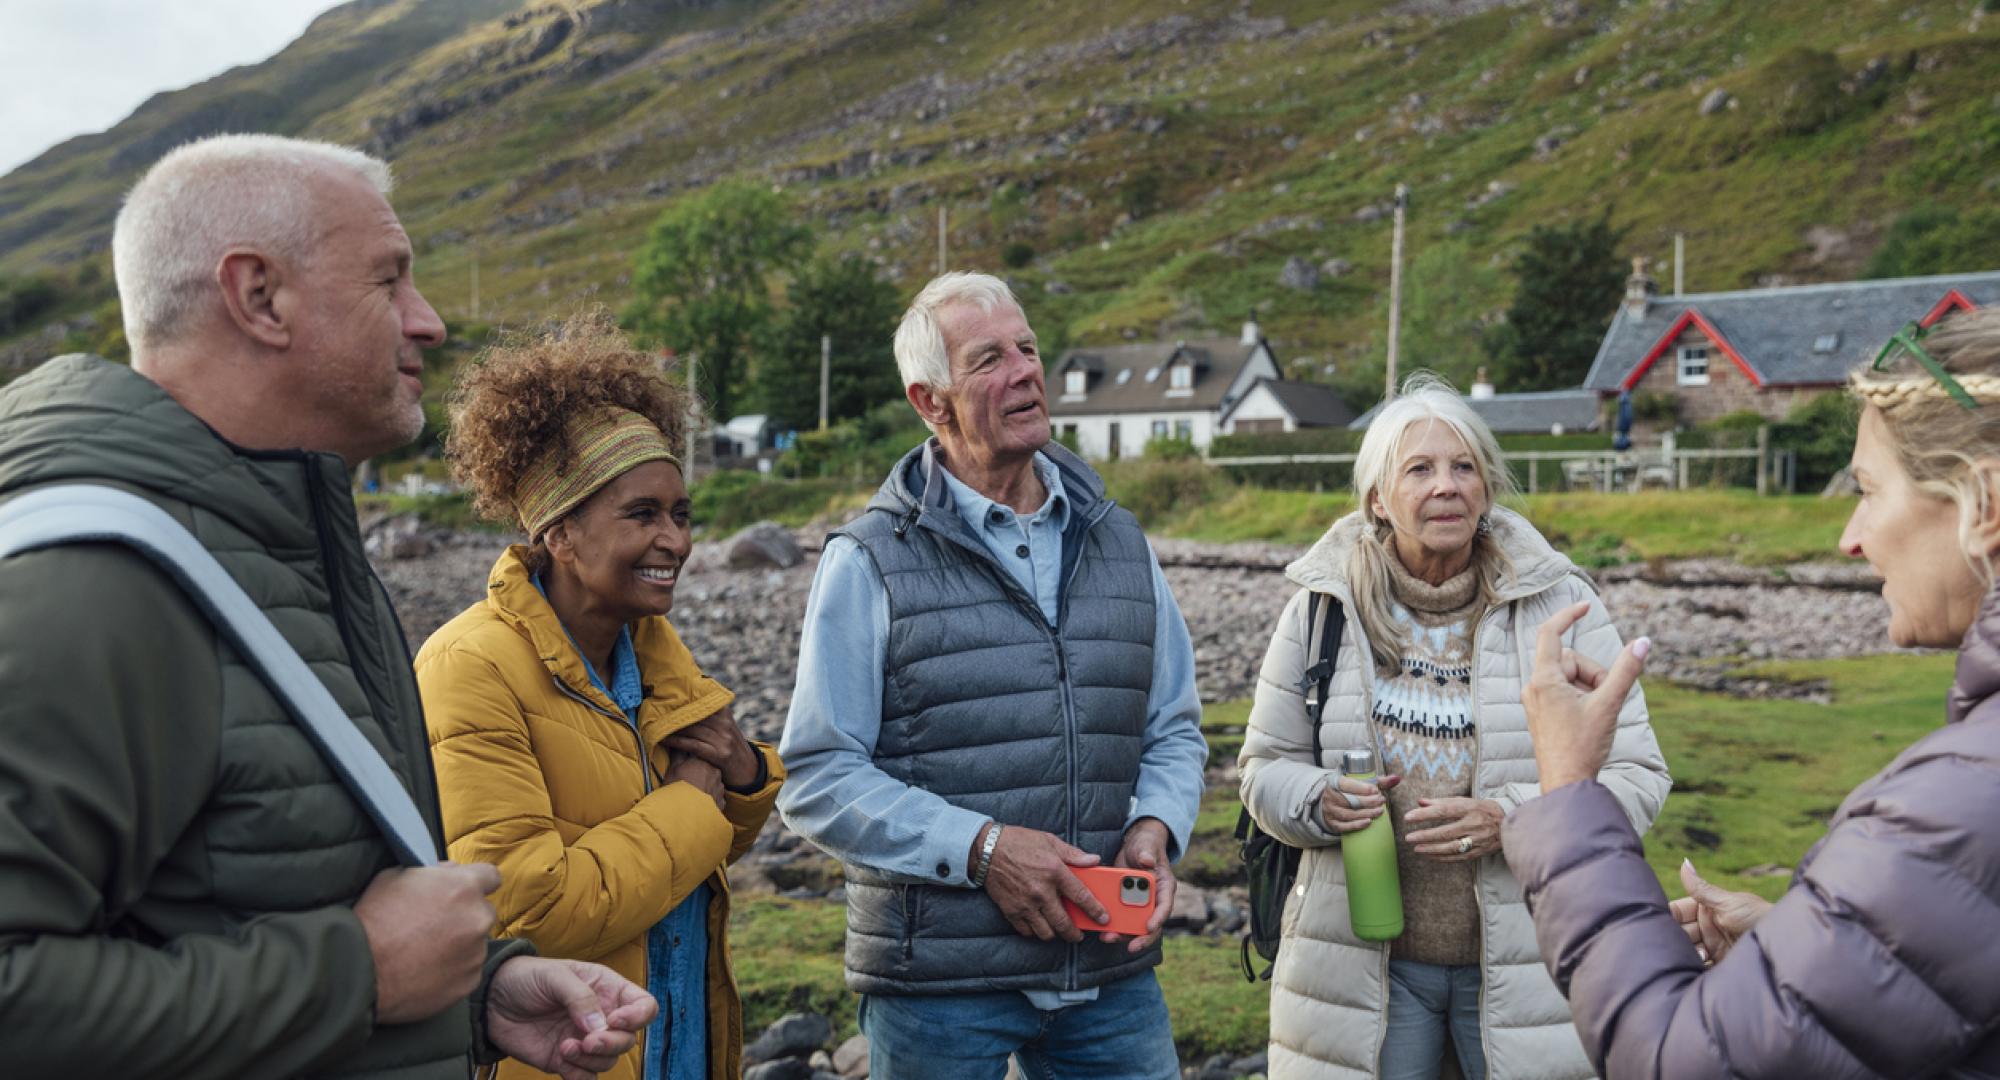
(985, 862)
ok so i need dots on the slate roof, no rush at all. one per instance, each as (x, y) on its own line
(1311, 404)
(1776, 330)
(1527, 413)
(1118, 382)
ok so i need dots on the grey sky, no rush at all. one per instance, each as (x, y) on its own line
(71, 67)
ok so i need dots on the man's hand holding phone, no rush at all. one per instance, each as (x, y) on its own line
(1030, 877)
(1145, 848)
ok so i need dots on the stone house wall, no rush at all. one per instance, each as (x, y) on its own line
(1729, 390)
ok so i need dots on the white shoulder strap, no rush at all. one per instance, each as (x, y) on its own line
(93, 513)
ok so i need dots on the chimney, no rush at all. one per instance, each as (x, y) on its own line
(1639, 289)
(1251, 333)
(1482, 387)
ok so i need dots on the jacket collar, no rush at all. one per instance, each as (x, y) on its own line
(1978, 675)
(81, 418)
(677, 692)
(1537, 565)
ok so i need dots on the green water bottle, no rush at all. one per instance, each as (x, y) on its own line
(1374, 892)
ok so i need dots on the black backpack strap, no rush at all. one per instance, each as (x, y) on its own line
(1315, 680)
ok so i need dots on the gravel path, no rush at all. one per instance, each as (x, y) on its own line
(743, 624)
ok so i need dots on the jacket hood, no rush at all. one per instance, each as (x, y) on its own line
(913, 485)
(81, 418)
(1978, 677)
(1537, 565)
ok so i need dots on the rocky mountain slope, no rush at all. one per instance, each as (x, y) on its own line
(1155, 167)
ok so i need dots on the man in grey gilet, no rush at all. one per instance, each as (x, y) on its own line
(995, 685)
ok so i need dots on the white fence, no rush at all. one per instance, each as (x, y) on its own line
(1597, 470)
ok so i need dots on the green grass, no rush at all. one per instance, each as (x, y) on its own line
(1754, 782)
(1594, 529)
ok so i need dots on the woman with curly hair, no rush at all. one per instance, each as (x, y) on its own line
(579, 747)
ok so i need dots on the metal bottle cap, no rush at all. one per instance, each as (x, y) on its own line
(1358, 760)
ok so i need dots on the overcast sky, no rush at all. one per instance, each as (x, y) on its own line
(71, 67)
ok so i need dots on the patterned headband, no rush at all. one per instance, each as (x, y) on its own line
(603, 446)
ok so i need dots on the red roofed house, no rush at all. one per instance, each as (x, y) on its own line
(1764, 350)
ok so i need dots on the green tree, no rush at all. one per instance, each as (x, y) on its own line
(702, 283)
(1936, 240)
(846, 299)
(1568, 286)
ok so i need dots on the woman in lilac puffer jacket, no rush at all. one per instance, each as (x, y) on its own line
(1883, 959)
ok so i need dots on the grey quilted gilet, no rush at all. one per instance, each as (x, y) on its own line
(989, 706)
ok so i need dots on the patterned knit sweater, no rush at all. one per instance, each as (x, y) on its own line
(1422, 720)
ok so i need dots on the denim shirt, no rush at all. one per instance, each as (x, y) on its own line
(834, 793)
(676, 946)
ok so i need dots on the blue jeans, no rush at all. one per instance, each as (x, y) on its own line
(1124, 1034)
(1426, 1000)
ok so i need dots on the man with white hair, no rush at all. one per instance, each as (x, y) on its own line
(995, 685)
(187, 887)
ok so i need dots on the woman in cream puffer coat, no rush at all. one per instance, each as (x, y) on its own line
(1330, 994)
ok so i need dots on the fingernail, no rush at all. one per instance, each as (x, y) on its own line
(1687, 864)
(595, 1022)
(1641, 647)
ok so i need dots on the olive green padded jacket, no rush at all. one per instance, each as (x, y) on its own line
(177, 863)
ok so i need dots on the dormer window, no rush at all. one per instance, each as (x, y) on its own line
(1073, 382)
(1180, 377)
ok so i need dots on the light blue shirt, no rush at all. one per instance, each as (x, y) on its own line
(676, 946)
(835, 796)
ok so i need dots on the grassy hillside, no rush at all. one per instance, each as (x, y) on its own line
(1160, 160)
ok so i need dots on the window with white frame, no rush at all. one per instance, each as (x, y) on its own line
(1159, 429)
(1694, 365)
(1184, 429)
(1180, 377)
(1073, 382)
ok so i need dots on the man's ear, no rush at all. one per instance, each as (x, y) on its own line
(250, 283)
(930, 404)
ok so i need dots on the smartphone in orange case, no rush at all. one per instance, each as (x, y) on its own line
(1128, 896)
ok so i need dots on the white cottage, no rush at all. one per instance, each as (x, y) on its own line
(1113, 399)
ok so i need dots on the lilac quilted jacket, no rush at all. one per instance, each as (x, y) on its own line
(1883, 960)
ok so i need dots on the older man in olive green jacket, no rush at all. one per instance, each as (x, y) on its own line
(187, 889)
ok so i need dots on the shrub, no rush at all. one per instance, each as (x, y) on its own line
(1017, 254)
(1173, 449)
(1155, 489)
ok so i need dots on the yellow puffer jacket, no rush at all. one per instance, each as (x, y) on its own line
(540, 774)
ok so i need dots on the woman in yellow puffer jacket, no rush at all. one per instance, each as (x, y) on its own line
(578, 746)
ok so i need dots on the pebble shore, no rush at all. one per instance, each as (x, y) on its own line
(1705, 617)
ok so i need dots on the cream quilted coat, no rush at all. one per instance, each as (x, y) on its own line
(1329, 997)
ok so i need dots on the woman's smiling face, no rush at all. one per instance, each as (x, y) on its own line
(629, 540)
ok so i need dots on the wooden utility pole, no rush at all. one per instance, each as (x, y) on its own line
(694, 416)
(825, 374)
(941, 241)
(1396, 290)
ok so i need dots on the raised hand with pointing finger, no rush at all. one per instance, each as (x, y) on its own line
(1573, 702)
